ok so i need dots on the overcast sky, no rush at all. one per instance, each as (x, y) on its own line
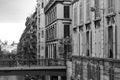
(13, 14)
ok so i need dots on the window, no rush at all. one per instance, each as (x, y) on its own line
(52, 14)
(66, 31)
(49, 33)
(54, 51)
(97, 8)
(55, 13)
(46, 35)
(81, 11)
(74, 30)
(97, 24)
(55, 30)
(46, 51)
(48, 18)
(45, 19)
(88, 10)
(110, 6)
(75, 16)
(52, 34)
(39, 20)
(42, 4)
(110, 41)
(80, 39)
(39, 49)
(66, 12)
(88, 40)
(42, 34)
(39, 36)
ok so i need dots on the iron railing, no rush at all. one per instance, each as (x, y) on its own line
(91, 68)
(31, 62)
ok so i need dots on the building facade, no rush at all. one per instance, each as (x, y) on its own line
(95, 28)
(95, 34)
(41, 28)
(57, 27)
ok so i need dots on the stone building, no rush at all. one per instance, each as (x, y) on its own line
(95, 28)
(95, 34)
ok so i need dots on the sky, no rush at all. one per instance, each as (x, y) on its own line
(13, 14)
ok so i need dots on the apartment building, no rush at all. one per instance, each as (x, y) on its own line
(57, 27)
(41, 28)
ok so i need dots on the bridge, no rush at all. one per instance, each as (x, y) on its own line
(52, 67)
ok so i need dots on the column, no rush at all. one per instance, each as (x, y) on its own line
(48, 51)
(52, 51)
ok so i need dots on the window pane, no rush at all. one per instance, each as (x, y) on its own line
(81, 12)
(88, 10)
(110, 41)
(66, 31)
(110, 6)
(97, 6)
(75, 16)
(66, 11)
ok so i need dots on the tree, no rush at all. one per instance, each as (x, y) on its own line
(27, 45)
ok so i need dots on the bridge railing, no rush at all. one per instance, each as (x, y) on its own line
(91, 68)
(32, 62)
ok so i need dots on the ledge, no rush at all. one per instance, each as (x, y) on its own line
(97, 58)
(81, 24)
(87, 22)
(97, 19)
(74, 1)
(112, 14)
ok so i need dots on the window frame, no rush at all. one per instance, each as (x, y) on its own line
(66, 13)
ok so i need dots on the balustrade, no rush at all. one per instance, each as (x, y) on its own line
(31, 62)
(89, 68)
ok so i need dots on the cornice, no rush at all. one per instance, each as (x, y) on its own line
(74, 1)
(52, 2)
